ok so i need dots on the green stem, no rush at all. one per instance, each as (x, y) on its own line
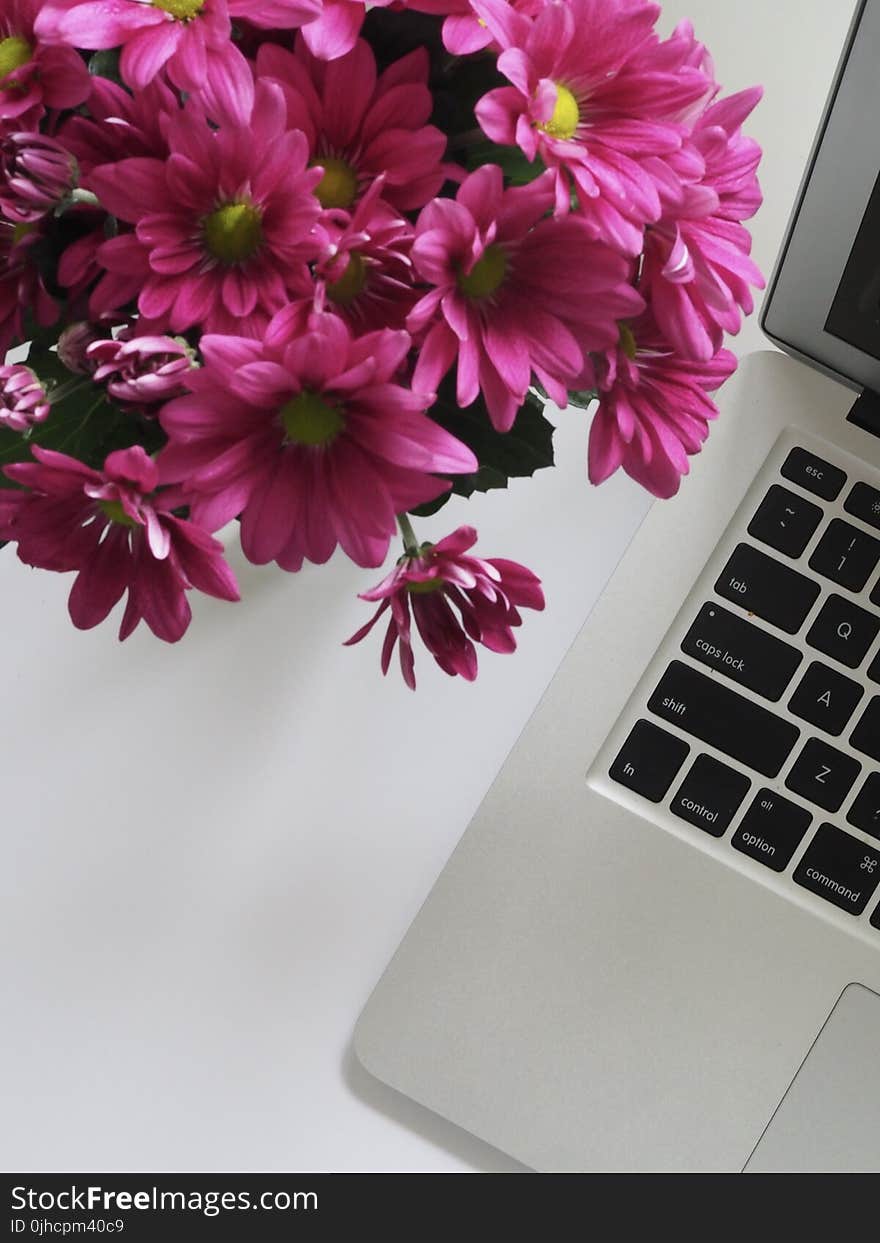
(410, 543)
(84, 196)
(61, 391)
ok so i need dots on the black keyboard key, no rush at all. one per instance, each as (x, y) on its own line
(814, 474)
(866, 735)
(785, 521)
(649, 761)
(839, 868)
(875, 594)
(771, 830)
(823, 775)
(874, 669)
(711, 795)
(864, 502)
(875, 918)
(741, 651)
(843, 631)
(826, 698)
(846, 555)
(724, 719)
(765, 587)
(865, 811)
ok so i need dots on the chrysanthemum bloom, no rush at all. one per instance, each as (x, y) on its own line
(23, 400)
(222, 228)
(463, 31)
(189, 40)
(119, 533)
(594, 93)
(21, 284)
(310, 438)
(33, 75)
(514, 293)
(37, 174)
(697, 272)
(456, 600)
(360, 126)
(119, 124)
(141, 371)
(654, 408)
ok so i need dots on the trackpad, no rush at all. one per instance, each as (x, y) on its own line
(829, 1120)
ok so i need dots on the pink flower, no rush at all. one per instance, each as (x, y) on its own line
(33, 75)
(141, 370)
(23, 400)
(119, 533)
(190, 40)
(21, 284)
(222, 228)
(120, 125)
(654, 409)
(456, 600)
(514, 293)
(595, 94)
(463, 31)
(310, 438)
(360, 126)
(697, 272)
(36, 175)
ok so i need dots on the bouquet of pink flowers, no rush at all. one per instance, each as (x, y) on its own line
(318, 265)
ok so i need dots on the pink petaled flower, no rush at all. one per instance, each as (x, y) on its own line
(463, 31)
(120, 125)
(119, 533)
(697, 271)
(37, 173)
(190, 40)
(654, 408)
(360, 126)
(310, 438)
(23, 400)
(594, 94)
(21, 285)
(514, 293)
(142, 370)
(33, 75)
(222, 228)
(456, 600)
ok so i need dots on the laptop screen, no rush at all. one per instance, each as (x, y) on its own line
(855, 312)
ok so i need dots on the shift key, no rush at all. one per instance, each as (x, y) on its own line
(724, 719)
(763, 586)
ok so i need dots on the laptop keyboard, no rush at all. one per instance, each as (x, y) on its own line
(759, 721)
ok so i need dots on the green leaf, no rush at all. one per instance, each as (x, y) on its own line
(105, 64)
(518, 169)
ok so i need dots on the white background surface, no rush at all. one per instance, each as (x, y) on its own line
(210, 851)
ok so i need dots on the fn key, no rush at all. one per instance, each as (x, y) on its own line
(649, 761)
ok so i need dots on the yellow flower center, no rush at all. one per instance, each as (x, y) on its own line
(14, 52)
(486, 274)
(566, 115)
(21, 231)
(338, 186)
(183, 10)
(115, 512)
(309, 420)
(627, 341)
(233, 232)
(351, 282)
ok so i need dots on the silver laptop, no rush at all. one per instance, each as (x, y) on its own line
(657, 946)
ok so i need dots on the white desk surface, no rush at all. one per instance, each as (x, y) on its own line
(210, 851)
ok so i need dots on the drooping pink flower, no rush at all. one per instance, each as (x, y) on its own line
(33, 75)
(189, 40)
(23, 399)
(37, 173)
(119, 533)
(456, 600)
(697, 271)
(595, 94)
(222, 228)
(141, 371)
(360, 126)
(514, 293)
(310, 438)
(654, 408)
(22, 288)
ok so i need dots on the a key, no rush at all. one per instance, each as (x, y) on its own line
(844, 631)
(874, 669)
(724, 719)
(813, 474)
(741, 651)
(785, 521)
(840, 869)
(823, 775)
(846, 555)
(864, 502)
(866, 735)
(649, 761)
(771, 830)
(826, 698)
(865, 811)
(763, 586)
(711, 795)
(875, 918)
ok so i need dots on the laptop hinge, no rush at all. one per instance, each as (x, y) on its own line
(866, 412)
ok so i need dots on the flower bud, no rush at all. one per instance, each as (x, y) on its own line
(36, 175)
(23, 400)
